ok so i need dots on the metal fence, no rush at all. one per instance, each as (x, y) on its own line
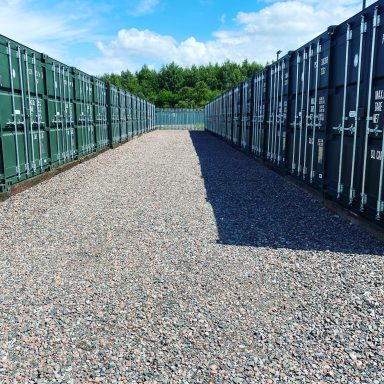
(188, 119)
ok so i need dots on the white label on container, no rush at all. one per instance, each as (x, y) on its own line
(376, 154)
(13, 73)
(325, 60)
(356, 60)
(379, 94)
(17, 112)
(352, 113)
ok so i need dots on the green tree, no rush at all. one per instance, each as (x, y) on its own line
(173, 86)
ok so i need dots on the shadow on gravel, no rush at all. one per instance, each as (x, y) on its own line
(254, 206)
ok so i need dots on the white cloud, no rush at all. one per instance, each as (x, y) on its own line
(144, 7)
(280, 25)
(51, 31)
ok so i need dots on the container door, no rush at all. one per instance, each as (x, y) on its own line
(60, 91)
(349, 62)
(122, 116)
(308, 116)
(257, 114)
(101, 131)
(273, 111)
(129, 114)
(24, 139)
(243, 111)
(281, 117)
(295, 117)
(116, 136)
(236, 116)
(371, 196)
(84, 113)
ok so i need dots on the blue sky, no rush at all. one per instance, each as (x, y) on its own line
(108, 36)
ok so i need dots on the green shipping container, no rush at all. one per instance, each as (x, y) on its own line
(60, 103)
(114, 116)
(23, 118)
(123, 115)
(129, 115)
(179, 119)
(100, 112)
(134, 116)
(84, 123)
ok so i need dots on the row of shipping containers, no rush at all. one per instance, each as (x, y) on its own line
(179, 118)
(52, 114)
(318, 113)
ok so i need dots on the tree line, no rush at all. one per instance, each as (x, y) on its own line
(173, 86)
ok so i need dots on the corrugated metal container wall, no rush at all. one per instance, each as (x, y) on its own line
(243, 114)
(237, 115)
(142, 115)
(133, 112)
(84, 123)
(222, 117)
(114, 118)
(129, 115)
(139, 126)
(179, 118)
(246, 110)
(61, 112)
(100, 111)
(258, 114)
(227, 116)
(153, 117)
(123, 116)
(277, 105)
(138, 117)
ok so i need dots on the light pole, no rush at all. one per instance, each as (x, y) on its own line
(277, 55)
(364, 4)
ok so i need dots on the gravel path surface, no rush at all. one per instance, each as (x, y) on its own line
(177, 259)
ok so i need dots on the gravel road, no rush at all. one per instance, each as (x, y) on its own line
(176, 259)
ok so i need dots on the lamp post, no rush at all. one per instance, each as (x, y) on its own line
(277, 55)
(364, 4)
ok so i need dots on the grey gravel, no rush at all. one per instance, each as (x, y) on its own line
(177, 259)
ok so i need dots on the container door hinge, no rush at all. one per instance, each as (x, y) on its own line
(352, 196)
(376, 20)
(340, 189)
(363, 27)
(375, 130)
